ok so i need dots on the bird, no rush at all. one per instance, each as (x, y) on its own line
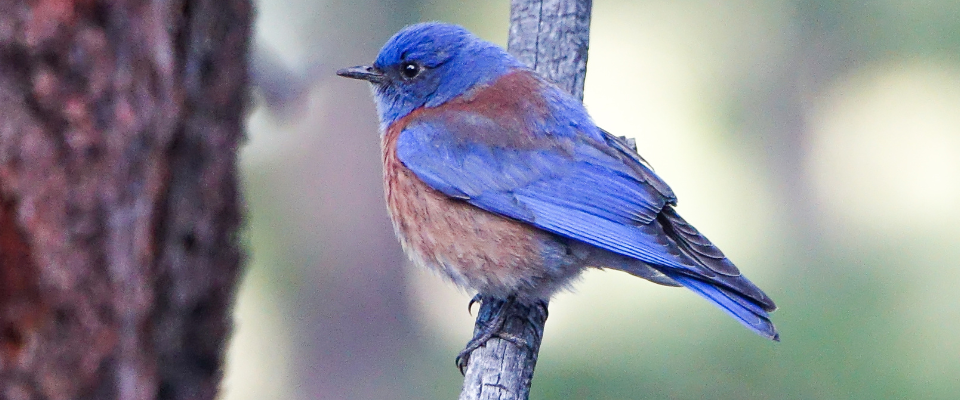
(502, 182)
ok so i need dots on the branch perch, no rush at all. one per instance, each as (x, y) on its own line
(552, 37)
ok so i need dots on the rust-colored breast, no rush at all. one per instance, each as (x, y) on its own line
(474, 248)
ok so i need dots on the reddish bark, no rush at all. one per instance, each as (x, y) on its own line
(119, 130)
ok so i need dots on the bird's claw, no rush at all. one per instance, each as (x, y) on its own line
(474, 300)
(463, 359)
(493, 328)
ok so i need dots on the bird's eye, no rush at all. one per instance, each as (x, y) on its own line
(410, 70)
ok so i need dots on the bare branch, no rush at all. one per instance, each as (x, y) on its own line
(552, 37)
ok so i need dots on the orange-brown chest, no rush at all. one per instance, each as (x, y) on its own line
(475, 248)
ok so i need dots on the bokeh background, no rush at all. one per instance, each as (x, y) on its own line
(816, 142)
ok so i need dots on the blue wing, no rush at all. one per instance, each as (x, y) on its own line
(589, 187)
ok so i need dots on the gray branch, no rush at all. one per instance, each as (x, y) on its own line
(550, 36)
(502, 369)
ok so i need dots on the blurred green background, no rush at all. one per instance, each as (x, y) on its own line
(816, 142)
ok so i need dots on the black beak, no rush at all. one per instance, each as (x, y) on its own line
(365, 72)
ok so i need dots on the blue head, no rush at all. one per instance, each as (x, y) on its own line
(427, 64)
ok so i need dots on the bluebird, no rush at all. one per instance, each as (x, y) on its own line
(500, 180)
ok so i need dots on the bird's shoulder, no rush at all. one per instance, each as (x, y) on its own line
(507, 113)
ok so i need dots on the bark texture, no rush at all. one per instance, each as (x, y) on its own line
(502, 369)
(551, 36)
(119, 205)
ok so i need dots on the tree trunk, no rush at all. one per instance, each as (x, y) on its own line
(119, 205)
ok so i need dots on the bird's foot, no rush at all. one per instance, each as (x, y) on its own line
(487, 330)
(493, 328)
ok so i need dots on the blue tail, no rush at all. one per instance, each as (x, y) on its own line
(749, 313)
